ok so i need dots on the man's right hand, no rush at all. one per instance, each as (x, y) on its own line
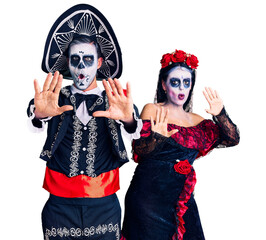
(46, 101)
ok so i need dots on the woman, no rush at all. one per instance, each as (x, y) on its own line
(159, 204)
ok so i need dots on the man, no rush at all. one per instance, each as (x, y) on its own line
(84, 148)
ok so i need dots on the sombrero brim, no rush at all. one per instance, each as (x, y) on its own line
(82, 20)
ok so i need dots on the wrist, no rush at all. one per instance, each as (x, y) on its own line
(128, 120)
(39, 115)
(220, 112)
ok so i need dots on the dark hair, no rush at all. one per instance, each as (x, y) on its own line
(164, 72)
(84, 39)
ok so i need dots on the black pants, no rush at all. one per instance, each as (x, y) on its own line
(82, 218)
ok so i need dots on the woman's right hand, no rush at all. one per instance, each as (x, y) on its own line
(46, 101)
(160, 125)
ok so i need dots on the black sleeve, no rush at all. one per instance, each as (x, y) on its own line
(35, 121)
(229, 133)
(150, 145)
(131, 128)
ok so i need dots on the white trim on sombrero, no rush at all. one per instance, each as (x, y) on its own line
(107, 46)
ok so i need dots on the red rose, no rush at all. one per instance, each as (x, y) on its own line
(183, 167)
(192, 61)
(166, 59)
(179, 56)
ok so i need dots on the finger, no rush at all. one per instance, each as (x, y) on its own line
(216, 94)
(208, 110)
(165, 120)
(112, 84)
(37, 87)
(162, 115)
(207, 91)
(107, 89)
(119, 87)
(174, 131)
(65, 108)
(128, 90)
(59, 84)
(101, 114)
(158, 113)
(54, 81)
(210, 93)
(47, 82)
(207, 97)
(152, 123)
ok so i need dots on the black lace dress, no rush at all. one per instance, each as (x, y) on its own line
(159, 203)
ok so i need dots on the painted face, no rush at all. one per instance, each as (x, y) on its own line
(83, 64)
(178, 85)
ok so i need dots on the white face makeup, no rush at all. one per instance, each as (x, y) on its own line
(178, 85)
(83, 64)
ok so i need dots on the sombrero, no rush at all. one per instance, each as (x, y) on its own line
(78, 21)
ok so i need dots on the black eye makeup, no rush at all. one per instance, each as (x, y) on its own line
(74, 60)
(88, 60)
(186, 82)
(174, 82)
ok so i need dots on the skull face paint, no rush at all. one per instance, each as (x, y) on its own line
(83, 64)
(178, 85)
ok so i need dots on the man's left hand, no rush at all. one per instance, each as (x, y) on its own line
(120, 105)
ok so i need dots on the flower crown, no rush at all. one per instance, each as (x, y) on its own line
(179, 56)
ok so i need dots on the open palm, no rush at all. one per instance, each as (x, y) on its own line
(160, 126)
(214, 100)
(120, 105)
(46, 101)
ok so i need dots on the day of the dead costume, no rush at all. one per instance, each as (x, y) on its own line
(82, 172)
(83, 152)
(159, 203)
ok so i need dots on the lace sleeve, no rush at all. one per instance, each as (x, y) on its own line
(229, 133)
(149, 145)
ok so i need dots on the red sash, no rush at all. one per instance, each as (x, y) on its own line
(81, 186)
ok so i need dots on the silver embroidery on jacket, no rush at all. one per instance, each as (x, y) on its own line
(74, 155)
(112, 125)
(91, 147)
(49, 152)
(92, 138)
(99, 101)
(77, 138)
(65, 91)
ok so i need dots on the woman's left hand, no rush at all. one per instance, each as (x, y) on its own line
(214, 100)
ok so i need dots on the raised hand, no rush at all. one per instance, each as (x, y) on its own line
(161, 123)
(214, 100)
(120, 106)
(46, 101)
